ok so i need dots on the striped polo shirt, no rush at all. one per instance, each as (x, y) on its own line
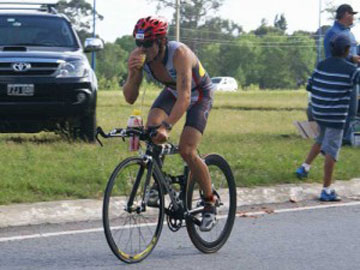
(330, 85)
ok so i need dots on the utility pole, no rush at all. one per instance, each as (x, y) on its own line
(320, 35)
(177, 20)
(93, 55)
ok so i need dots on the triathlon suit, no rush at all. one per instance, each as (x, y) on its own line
(201, 90)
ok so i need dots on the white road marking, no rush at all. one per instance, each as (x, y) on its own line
(243, 214)
(304, 208)
(44, 235)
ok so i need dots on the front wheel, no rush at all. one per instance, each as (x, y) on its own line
(131, 229)
(225, 190)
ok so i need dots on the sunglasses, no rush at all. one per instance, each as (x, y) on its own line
(145, 44)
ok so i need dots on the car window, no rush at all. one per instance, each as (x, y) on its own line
(36, 31)
(215, 80)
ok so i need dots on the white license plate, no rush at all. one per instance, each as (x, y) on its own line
(20, 89)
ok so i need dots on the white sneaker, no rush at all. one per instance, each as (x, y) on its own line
(208, 218)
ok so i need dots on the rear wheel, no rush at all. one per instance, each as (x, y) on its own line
(131, 231)
(225, 189)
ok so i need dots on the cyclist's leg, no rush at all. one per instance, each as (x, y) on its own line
(161, 108)
(191, 136)
(159, 111)
(189, 141)
(155, 117)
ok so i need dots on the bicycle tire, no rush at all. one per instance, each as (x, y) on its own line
(115, 217)
(220, 172)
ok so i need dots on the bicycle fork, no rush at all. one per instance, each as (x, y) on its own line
(130, 207)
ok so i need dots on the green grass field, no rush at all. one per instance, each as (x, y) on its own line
(253, 130)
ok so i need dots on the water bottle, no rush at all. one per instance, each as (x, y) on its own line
(134, 121)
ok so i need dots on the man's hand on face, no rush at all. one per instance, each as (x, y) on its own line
(136, 60)
(161, 136)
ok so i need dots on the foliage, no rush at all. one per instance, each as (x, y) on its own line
(331, 10)
(199, 22)
(111, 62)
(80, 14)
(126, 42)
(271, 60)
(108, 84)
(193, 11)
(280, 22)
(266, 57)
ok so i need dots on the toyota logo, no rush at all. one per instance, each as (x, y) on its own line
(21, 67)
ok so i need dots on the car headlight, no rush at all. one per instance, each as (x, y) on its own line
(73, 69)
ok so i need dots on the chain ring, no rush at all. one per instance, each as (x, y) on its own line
(174, 224)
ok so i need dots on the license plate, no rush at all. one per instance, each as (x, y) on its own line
(20, 89)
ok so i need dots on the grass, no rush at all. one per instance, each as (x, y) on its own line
(253, 130)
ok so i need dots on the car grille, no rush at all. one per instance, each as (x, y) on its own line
(36, 69)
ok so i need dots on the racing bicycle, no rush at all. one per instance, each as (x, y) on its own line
(133, 226)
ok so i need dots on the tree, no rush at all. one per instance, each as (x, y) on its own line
(265, 29)
(111, 62)
(240, 59)
(210, 58)
(193, 11)
(199, 22)
(280, 22)
(302, 57)
(331, 9)
(215, 26)
(127, 43)
(80, 14)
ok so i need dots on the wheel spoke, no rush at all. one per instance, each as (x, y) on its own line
(130, 234)
(224, 185)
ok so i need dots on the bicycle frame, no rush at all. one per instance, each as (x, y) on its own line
(153, 159)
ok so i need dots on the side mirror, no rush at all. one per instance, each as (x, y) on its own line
(93, 45)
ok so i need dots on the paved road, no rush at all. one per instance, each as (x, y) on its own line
(322, 238)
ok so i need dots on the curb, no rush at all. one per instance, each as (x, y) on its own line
(89, 210)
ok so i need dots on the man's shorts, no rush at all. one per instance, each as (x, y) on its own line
(330, 140)
(197, 113)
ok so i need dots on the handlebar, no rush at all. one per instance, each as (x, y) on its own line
(144, 134)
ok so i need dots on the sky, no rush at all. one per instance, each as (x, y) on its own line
(120, 16)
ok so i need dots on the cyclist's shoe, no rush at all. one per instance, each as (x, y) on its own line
(301, 172)
(153, 197)
(329, 197)
(208, 217)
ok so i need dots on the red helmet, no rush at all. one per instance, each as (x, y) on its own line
(150, 28)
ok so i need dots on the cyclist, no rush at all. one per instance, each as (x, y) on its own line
(187, 88)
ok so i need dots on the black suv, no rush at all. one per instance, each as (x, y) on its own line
(46, 82)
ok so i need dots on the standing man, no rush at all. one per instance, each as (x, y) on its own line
(187, 90)
(330, 85)
(343, 23)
